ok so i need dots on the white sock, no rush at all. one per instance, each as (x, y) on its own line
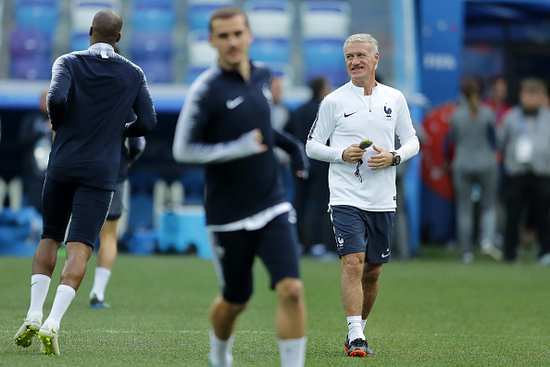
(220, 351)
(101, 278)
(364, 324)
(355, 329)
(63, 298)
(40, 284)
(293, 352)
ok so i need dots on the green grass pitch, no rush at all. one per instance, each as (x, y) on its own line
(431, 311)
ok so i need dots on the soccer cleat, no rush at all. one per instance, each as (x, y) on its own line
(27, 331)
(358, 348)
(95, 303)
(48, 337)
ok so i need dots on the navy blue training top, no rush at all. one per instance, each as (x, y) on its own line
(214, 128)
(91, 95)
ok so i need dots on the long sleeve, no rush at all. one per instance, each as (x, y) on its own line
(58, 93)
(144, 110)
(189, 145)
(294, 148)
(321, 131)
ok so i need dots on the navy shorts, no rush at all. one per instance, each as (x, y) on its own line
(234, 252)
(85, 206)
(117, 204)
(357, 230)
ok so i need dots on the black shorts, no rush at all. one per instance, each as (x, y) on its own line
(357, 230)
(117, 204)
(234, 252)
(85, 206)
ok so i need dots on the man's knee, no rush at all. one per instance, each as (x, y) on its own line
(290, 290)
(372, 273)
(353, 265)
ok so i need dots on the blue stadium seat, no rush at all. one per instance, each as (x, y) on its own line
(83, 11)
(153, 3)
(270, 18)
(200, 51)
(324, 56)
(39, 15)
(27, 43)
(322, 52)
(145, 45)
(270, 50)
(156, 71)
(31, 68)
(80, 41)
(325, 19)
(153, 16)
(198, 12)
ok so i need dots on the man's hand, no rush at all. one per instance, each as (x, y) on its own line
(353, 153)
(381, 160)
(259, 139)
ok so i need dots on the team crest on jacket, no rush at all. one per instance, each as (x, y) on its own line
(387, 111)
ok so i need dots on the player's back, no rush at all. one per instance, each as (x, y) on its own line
(94, 92)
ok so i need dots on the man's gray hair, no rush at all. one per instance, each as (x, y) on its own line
(362, 37)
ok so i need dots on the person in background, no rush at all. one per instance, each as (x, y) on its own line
(35, 136)
(311, 194)
(108, 237)
(474, 166)
(498, 99)
(279, 119)
(226, 125)
(524, 142)
(90, 97)
(362, 179)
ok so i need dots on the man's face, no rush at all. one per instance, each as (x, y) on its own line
(232, 38)
(531, 100)
(360, 62)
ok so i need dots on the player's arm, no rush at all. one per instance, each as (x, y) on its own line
(298, 160)
(320, 133)
(136, 146)
(58, 92)
(189, 144)
(144, 109)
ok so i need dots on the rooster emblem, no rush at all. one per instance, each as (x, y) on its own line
(387, 111)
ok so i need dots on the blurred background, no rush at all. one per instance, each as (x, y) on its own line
(426, 47)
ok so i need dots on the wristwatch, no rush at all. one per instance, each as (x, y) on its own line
(396, 159)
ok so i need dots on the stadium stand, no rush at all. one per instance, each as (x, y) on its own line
(81, 14)
(322, 44)
(153, 16)
(30, 52)
(270, 19)
(198, 12)
(38, 15)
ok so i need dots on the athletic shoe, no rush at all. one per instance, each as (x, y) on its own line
(95, 303)
(48, 337)
(545, 260)
(489, 249)
(358, 348)
(27, 331)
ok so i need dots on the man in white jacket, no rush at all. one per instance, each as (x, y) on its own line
(362, 180)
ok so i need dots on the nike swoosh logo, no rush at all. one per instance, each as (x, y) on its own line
(386, 254)
(349, 114)
(233, 103)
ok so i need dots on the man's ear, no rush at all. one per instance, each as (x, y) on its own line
(118, 37)
(91, 31)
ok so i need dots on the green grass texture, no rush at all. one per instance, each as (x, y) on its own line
(430, 311)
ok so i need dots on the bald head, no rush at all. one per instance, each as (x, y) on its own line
(106, 27)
